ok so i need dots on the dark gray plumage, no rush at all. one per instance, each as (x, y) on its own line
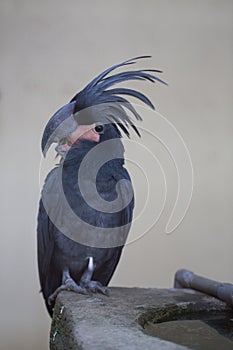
(66, 261)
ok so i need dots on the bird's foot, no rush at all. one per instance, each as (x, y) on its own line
(95, 287)
(70, 285)
(87, 282)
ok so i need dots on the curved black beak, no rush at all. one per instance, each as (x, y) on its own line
(59, 126)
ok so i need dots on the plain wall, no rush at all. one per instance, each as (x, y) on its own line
(49, 51)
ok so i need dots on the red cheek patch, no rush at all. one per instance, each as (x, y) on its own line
(90, 135)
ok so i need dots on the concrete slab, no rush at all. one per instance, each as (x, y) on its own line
(116, 322)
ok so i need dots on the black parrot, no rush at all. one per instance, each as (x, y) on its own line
(87, 201)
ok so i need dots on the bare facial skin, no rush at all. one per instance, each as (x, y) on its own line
(83, 132)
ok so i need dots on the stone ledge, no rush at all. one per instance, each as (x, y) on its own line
(111, 323)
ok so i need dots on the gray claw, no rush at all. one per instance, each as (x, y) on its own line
(68, 285)
(95, 287)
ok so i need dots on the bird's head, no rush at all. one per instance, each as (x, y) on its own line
(98, 113)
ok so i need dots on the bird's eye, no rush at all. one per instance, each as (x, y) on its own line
(99, 128)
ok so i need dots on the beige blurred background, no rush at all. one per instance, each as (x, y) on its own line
(50, 50)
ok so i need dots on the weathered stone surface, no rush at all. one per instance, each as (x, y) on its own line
(115, 322)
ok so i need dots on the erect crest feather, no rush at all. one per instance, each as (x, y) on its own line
(85, 106)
